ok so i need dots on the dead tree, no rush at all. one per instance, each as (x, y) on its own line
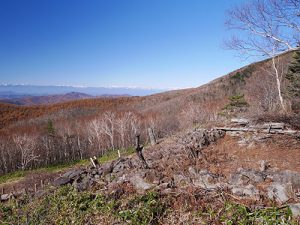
(139, 149)
(26, 144)
(151, 136)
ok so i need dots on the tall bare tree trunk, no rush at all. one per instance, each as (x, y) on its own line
(278, 82)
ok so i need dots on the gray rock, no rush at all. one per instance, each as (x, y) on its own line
(61, 181)
(214, 135)
(287, 176)
(180, 180)
(40, 193)
(166, 191)
(192, 171)
(280, 192)
(5, 197)
(140, 184)
(295, 208)
(73, 173)
(247, 176)
(121, 164)
(240, 121)
(163, 186)
(84, 184)
(249, 190)
(106, 169)
(207, 180)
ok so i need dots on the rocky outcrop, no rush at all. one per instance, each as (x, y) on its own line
(197, 139)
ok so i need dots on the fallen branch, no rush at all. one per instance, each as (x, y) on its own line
(267, 131)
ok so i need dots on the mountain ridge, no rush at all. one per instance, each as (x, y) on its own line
(29, 100)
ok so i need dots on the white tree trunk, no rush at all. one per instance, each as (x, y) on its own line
(278, 82)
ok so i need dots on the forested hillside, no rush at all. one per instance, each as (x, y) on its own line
(73, 130)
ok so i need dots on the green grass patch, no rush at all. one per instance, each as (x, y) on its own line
(233, 213)
(12, 176)
(113, 154)
(143, 210)
(17, 175)
(67, 206)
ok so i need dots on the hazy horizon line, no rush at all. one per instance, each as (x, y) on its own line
(87, 86)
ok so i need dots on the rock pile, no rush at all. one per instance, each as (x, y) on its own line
(199, 138)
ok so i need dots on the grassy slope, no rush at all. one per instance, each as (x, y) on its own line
(66, 206)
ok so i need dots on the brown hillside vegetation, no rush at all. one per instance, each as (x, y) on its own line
(249, 81)
(74, 130)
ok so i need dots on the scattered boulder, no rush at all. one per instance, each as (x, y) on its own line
(247, 176)
(5, 197)
(240, 121)
(83, 184)
(140, 184)
(286, 176)
(295, 208)
(181, 180)
(61, 181)
(249, 191)
(73, 173)
(197, 139)
(280, 192)
(192, 171)
(206, 180)
(40, 193)
(106, 169)
(121, 164)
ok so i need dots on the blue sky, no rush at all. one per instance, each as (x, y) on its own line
(145, 43)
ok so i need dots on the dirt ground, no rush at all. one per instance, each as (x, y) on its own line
(279, 151)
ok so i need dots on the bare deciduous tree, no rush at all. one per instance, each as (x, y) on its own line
(26, 145)
(94, 131)
(268, 28)
(107, 126)
(123, 126)
(135, 124)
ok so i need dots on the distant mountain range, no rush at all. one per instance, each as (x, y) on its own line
(37, 95)
(13, 90)
(48, 99)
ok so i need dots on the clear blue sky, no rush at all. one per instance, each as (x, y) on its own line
(147, 43)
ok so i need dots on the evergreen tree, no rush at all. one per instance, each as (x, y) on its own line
(293, 75)
(50, 128)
